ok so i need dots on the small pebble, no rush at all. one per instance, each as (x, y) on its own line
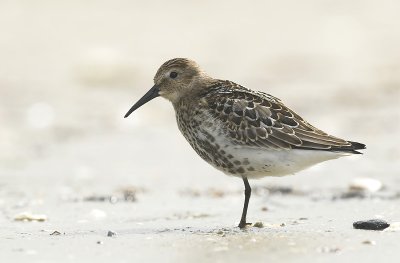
(258, 224)
(129, 194)
(30, 217)
(283, 224)
(373, 224)
(111, 234)
(99, 242)
(366, 184)
(369, 242)
(264, 208)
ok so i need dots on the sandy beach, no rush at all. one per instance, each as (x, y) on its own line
(79, 183)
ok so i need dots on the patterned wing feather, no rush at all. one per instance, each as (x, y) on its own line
(259, 119)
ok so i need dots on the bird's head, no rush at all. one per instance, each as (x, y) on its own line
(173, 80)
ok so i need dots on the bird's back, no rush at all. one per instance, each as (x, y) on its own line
(259, 119)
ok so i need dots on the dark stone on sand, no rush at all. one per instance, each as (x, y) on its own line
(111, 234)
(372, 224)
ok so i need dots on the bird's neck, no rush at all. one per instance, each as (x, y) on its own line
(191, 94)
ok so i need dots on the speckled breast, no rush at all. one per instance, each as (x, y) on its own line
(207, 138)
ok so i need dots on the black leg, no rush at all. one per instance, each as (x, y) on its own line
(247, 194)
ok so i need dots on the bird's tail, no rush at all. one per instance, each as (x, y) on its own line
(350, 149)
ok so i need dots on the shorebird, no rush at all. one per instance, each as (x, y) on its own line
(243, 133)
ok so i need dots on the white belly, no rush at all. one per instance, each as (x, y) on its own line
(259, 163)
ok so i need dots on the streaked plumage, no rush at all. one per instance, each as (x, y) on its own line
(241, 132)
(259, 119)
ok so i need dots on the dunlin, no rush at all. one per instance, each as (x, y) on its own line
(244, 133)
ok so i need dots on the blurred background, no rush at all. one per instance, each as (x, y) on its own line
(69, 70)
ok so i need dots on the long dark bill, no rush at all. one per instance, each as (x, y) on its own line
(151, 94)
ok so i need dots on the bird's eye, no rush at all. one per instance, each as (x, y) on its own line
(173, 75)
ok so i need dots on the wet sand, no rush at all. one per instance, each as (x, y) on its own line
(190, 216)
(70, 71)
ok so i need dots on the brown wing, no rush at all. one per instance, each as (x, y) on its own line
(259, 119)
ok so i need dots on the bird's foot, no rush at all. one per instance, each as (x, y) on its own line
(243, 224)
